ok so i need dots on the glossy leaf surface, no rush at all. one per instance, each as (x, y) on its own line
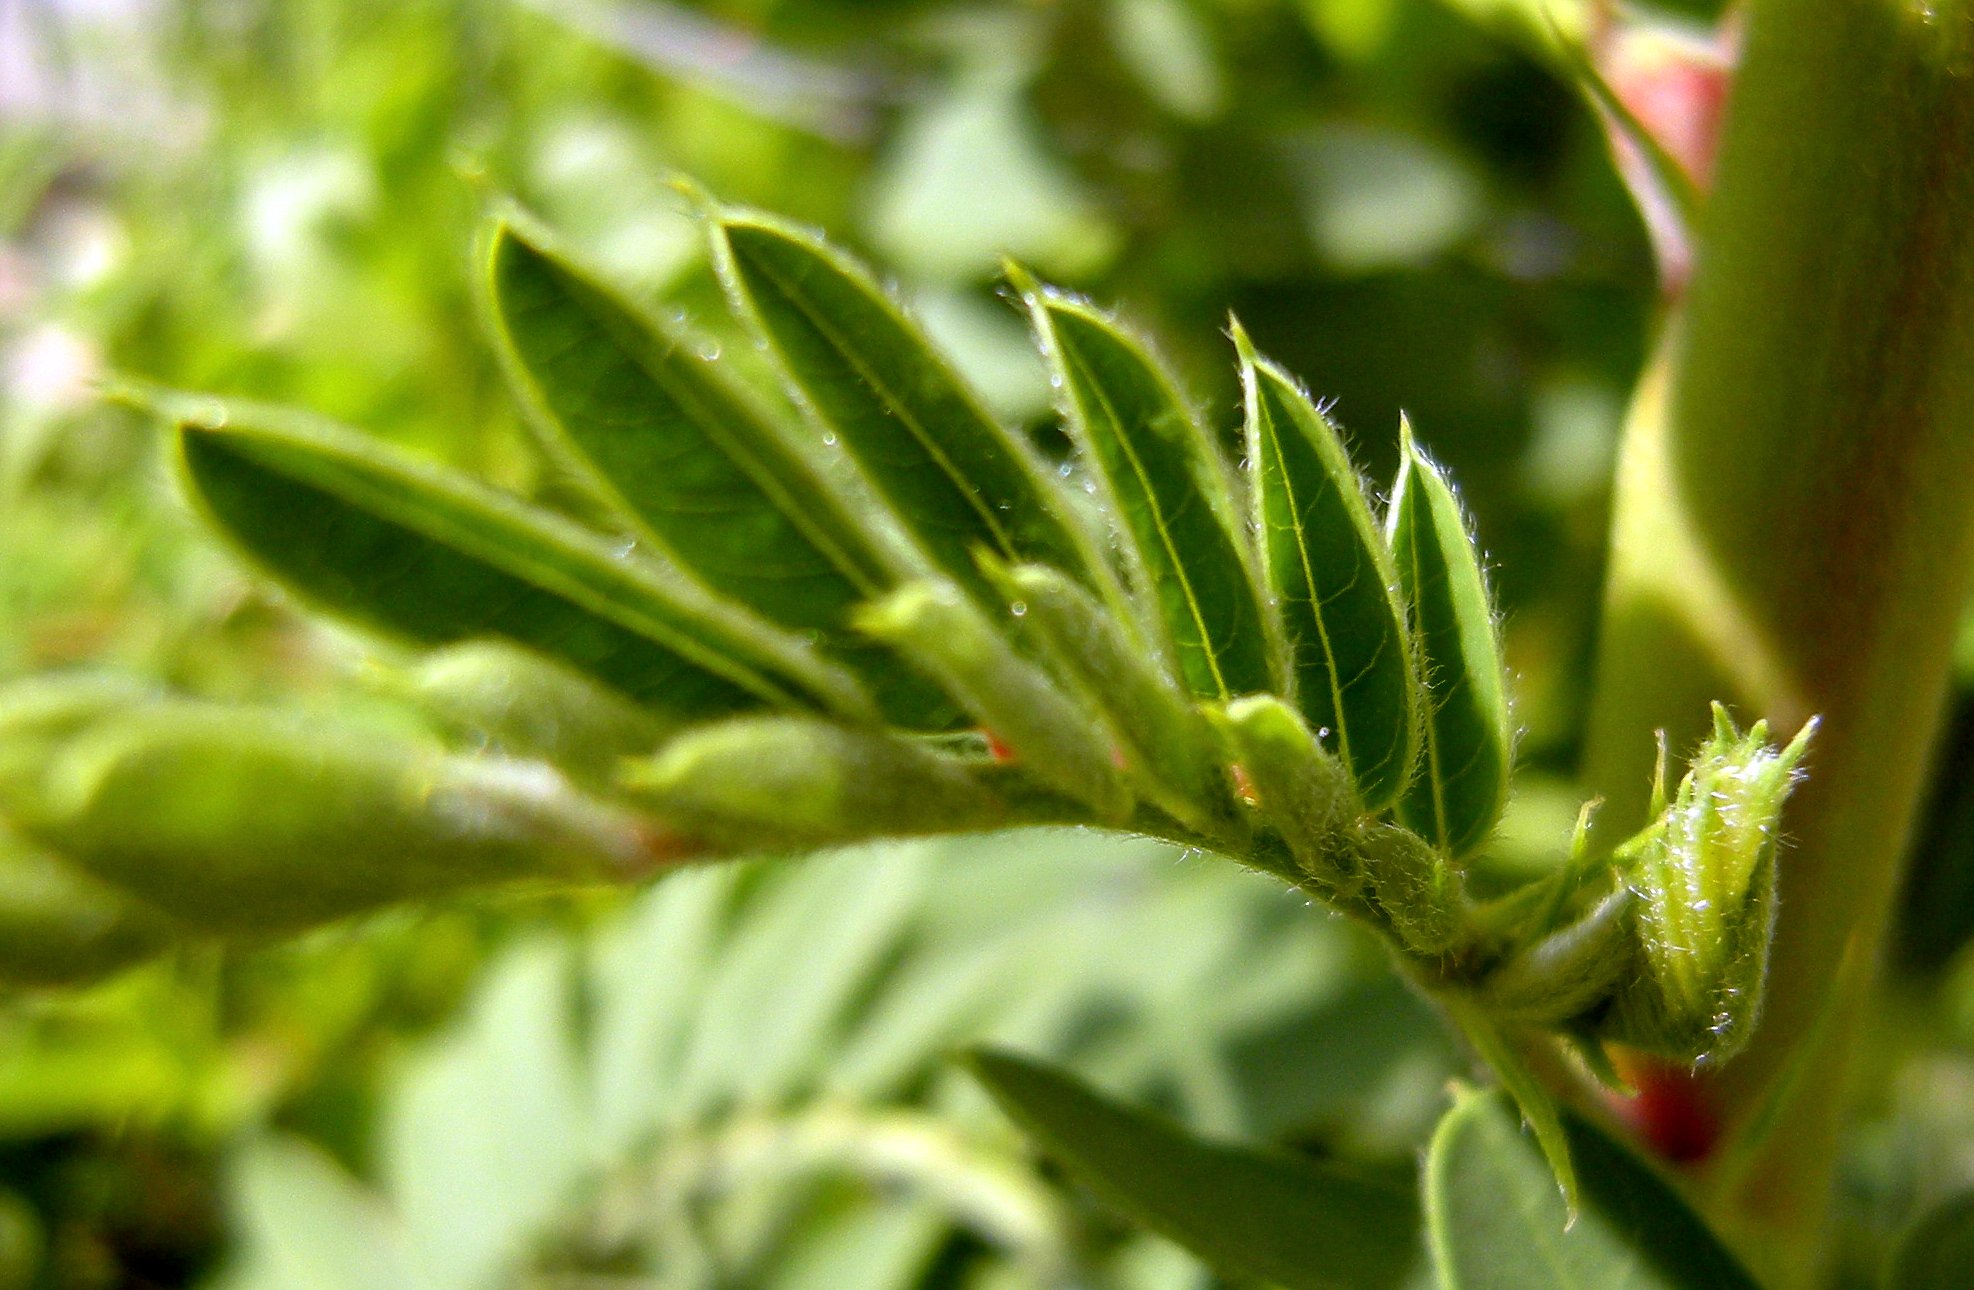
(1170, 491)
(1248, 1211)
(401, 546)
(870, 377)
(1462, 782)
(1333, 580)
(1497, 1222)
(693, 464)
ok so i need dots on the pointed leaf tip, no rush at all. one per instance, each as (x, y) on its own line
(869, 376)
(1335, 587)
(1168, 486)
(1468, 741)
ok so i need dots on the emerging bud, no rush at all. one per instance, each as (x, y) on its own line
(755, 782)
(1704, 874)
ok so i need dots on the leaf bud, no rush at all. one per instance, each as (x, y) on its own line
(1704, 874)
(755, 783)
(1304, 791)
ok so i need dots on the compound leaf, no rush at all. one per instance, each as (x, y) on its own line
(693, 464)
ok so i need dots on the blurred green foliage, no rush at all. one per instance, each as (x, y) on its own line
(1402, 201)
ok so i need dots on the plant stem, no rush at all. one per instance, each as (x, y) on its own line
(1792, 530)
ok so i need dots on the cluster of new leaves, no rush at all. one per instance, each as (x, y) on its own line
(905, 621)
(899, 620)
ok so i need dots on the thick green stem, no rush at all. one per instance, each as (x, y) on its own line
(1794, 529)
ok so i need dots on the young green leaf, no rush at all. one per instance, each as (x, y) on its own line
(1496, 1222)
(1251, 1212)
(755, 783)
(868, 375)
(1168, 746)
(1351, 659)
(400, 546)
(1462, 782)
(1536, 1103)
(691, 463)
(515, 701)
(1168, 485)
(1304, 792)
(1049, 733)
(250, 821)
(1706, 882)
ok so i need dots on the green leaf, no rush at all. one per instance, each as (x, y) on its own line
(514, 701)
(1303, 792)
(1462, 782)
(1168, 746)
(1351, 659)
(1495, 1219)
(1248, 1211)
(698, 469)
(872, 380)
(1050, 733)
(245, 820)
(1935, 1252)
(755, 783)
(1169, 487)
(305, 1224)
(406, 548)
(1537, 1104)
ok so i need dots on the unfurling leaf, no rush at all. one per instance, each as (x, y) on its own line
(1705, 878)
(253, 821)
(401, 546)
(523, 704)
(1168, 487)
(1351, 660)
(697, 468)
(1251, 1212)
(1462, 780)
(762, 782)
(958, 479)
(1416, 887)
(1051, 735)
(1305, 793)
(1168, 747)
